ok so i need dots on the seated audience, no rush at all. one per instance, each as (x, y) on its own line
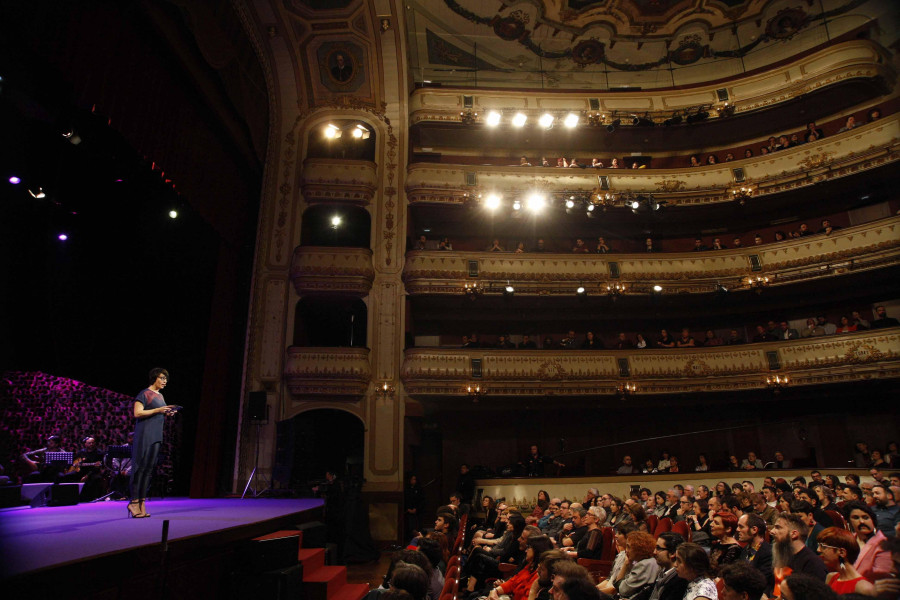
(740, 581)
(882, 321)
(665, 341)
(873, 561)
(839, 550)
(692, 565)
(849, 124)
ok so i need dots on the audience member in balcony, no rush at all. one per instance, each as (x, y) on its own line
(804, 231)
(762, 335)
(711, 159)
(783, 143)
(648, 245)
(665, 340)
(699, 246)
(752, 462)
(811, 136)
(540, 247)
(812, 329)
(795, 140)
(561, 162)
(702, 465)
(574, 164)
(757, 240)
(830, 328)
(883, 321)
(827, 227)
(873, 562)
(569, 342)
(649, 467)
(729, 157)
(445, 244)
(712, 339)
(635, 165)
(734, 338)
(736, 243)
(548, 343)
(664, 461)
(590, 342)
(717, 244)
(763, 151)
(811, 127)
(523, 162)
(695, 160)
(527, 343)
(597, 163)
(878, 460)
(640, 342)
(849, 124)
(846, 325)
(579, 247)
(622, 342)
(786, 332)
(626, 468)
(520, 248)
(421, 243)
(495, 246)
(780, 236)
(748, 153)
(470, 341)
(602, 248)
(873, 115)
(545, 162)
(857, 320)
(503, 343)
(686, 340)
(614, 164)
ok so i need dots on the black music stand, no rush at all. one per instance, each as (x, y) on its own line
(123, 451)
(60, 459)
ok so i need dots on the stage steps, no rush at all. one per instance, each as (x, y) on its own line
(321, 581)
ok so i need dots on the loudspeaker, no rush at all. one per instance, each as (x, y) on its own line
(257, 407)
(58, 494)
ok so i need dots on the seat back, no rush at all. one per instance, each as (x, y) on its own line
(682, 528)
(837, 518)
(599, 569)
(652, 522)
(609, 544)
(664, 525)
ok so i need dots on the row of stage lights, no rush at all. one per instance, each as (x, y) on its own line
(592, 203)
(596, 119)
(357, 131)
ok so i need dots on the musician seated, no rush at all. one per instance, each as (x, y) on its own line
(38, 470)
(121, 473)
(87, 468)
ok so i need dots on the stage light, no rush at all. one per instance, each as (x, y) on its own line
(546, 120)
(173, 214)
(519, 120)
(570, 203)
(591, 208)
(517, 205)
(509, 289)
(15, 180)
(536, 203)
(493, 119)
(62, 237)
(361, 133)
(492, 202)
(336, 221)
(38, 193)
(580, 290)
(612, 126)
(571, 120)
(635, 205)
(72, 136)
(657, 288)
(332, 131)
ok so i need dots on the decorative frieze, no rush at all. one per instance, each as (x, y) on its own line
(318, 269)
(338, 180)
(327, 371)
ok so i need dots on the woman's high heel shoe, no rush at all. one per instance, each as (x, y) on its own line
(134, 510)
(144, 512)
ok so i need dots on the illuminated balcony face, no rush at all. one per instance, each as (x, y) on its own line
(327, 372)
(321, 269)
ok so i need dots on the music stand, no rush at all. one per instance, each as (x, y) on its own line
(59, 458)
(123, 451)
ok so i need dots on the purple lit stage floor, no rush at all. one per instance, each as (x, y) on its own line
(36, 538)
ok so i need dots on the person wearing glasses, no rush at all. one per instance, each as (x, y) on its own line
(150, 411)
(839, 550)
(668, 585)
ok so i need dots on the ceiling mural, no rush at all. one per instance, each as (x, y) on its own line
(560, 37)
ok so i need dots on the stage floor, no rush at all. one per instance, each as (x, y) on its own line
(37, 538)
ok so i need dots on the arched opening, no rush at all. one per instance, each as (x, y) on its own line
(330, 321)
(342, 138)
(335, 226)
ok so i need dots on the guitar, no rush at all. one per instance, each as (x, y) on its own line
(78, 463)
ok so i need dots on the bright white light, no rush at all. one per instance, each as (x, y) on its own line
(357, 133)
(580, 289)
(173, 214)
(536, 203)
(517, 205)
(571, 120)
(635, 204)
(591, 208)
(657, 288)
(570, 204)
(332, 131)
(493, 118)
(336, 221)
(492, 202)
(519, 120)
(509, 289)
(39, 193)
(546, 120)
(62, 237)
(15, 180)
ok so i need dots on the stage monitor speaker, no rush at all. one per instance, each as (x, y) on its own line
(315, 534)
(257, 406)
(59, 494)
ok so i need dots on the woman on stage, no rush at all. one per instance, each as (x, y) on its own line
(149, 410)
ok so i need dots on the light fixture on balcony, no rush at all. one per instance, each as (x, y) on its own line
(468, 117)
(332, 131)
(473, 290)
(361, 133)
(757, 283)
(595, 119)
(475, 391)
(508, 290)
(614, 290)
(571, 120)
(385, 390)
(546, 120)
(581, 291)
(493, 118)
(777, 383)
(741, 194)
(626, 389)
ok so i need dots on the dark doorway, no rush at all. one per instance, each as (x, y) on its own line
(325, 440)
(330, 322)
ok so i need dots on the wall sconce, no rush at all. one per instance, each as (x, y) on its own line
(475, 391)
(468, 117)
(614, 290)
(742, 194)
(385, 390)
(776, 383)
(758, 283)
(626, 389)
(473, 290)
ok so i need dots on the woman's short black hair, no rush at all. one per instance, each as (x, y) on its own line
(412, 579)
(807, 586)
(154, 373)
(694, 558)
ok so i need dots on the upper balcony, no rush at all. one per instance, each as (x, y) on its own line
(338, 180)
(833, 79)
(440, 372)
(321, 372)
(322, 269)
(814, 258)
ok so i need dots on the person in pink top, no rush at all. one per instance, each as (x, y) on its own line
(873, 562)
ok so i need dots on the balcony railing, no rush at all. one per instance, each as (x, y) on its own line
(318, 269)
(851, 250)
(321, 372)
(837, 358)
(333, 179)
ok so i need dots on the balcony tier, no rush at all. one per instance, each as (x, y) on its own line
(864, 148)
(338, 180)
(321, 269)
(832, 359)
(863, 247)
(327, 371)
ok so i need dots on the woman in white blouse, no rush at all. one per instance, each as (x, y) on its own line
(692, 564)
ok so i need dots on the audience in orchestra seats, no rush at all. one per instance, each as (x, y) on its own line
(789, 548)
(693, 565)
(887, 512)
(873, 562)
(839, 550)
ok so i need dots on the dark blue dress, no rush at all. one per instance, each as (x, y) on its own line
(148, 434)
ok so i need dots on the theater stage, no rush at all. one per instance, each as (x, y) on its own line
(40, 545)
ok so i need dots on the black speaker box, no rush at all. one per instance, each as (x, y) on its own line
(280, 584)
(58, 494)
(10, 495)
(256, 407)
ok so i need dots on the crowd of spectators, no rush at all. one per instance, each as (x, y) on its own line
(771, 331)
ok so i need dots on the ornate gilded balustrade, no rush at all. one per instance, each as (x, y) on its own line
(857, 59)
(837, 358)
(870, 246)
(327, 371)
(317, 269)
(332, 179)
(863, 148)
